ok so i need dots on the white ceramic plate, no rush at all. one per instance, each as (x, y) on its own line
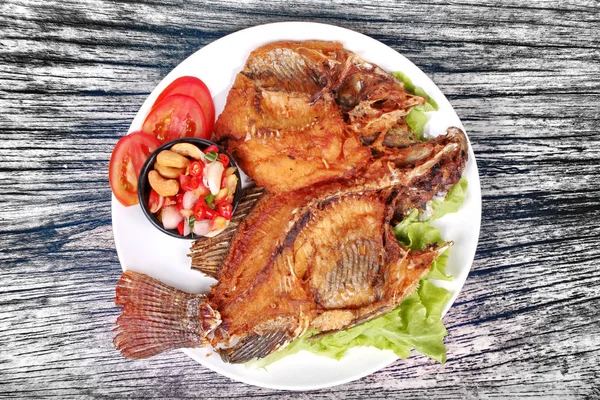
(141, 247)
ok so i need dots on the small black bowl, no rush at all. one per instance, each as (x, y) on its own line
(144, 186)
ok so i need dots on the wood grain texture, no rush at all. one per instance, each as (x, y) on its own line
(523, 76)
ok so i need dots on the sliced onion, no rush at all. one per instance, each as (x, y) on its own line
(202, 227)
(170, 217)
(213, 173)
(186, 226)
(216, 232)
(155, 207)
(189, 199)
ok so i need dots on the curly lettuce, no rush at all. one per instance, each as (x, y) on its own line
(416, 118)
(453, 200)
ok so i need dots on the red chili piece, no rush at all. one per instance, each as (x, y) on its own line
(225, 210)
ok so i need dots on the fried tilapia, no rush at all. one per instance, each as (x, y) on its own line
(324, 132)
(302, 113)
(322, 257)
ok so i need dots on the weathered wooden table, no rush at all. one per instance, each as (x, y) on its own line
(523, 76)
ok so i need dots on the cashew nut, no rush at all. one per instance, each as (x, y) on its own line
(162, 186)
(168, 172)
(188, 149)
(168, 158)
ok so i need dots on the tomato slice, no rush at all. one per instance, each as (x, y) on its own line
(195, 88)
(126, 162)
(174, 117)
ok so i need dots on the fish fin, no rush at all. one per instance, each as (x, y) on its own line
(265, 339)
(255, 346)
(208, 254)
(156, 317)
(403, 277)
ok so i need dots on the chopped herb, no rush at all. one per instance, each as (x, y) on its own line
(209, 199)
(211, 156)
(191, 221)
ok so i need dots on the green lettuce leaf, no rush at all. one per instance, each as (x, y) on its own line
(416, 118)
(431, 104)
(438, 267)
(416, 323)
(409, 86)
(453, 200)
(417, 235)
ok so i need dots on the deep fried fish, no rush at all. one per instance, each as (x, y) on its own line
(323, 257)
(301, 113)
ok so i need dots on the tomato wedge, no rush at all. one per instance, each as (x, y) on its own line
(126, 162)
(174, 117)
(195, 88)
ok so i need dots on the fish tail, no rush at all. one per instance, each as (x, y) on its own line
(156, 317)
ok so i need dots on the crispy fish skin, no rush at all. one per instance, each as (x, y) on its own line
(334, 261)
(428, 168)
(301, 113)
(286, 141)
(302, 286)
(299, 261)
(305, 67)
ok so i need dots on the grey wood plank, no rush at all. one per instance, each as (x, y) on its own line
(523, 76)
